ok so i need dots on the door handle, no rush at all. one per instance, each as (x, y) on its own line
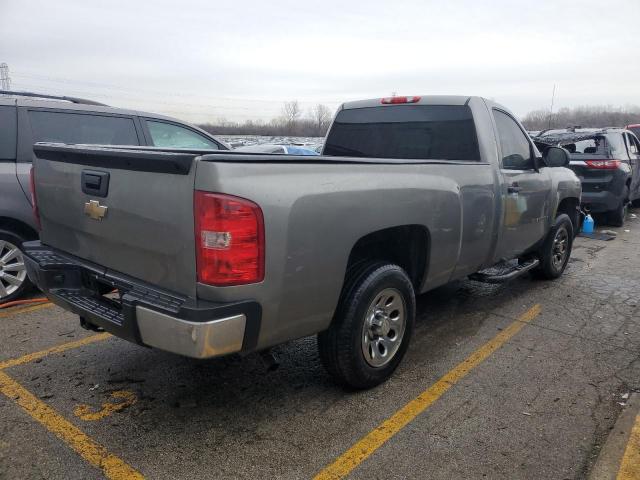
(514, 188)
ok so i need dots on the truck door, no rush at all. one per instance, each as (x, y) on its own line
(525, 190)
(634, 157)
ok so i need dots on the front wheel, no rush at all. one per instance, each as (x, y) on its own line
(556, 249)
(372, 326)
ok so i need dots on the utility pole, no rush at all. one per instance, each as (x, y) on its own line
(553, 96)
(5, 81)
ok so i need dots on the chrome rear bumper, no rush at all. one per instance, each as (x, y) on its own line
(192, 339)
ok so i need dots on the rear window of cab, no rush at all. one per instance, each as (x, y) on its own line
(421, 132)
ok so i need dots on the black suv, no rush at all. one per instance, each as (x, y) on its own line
(27, 118)
(607, 160)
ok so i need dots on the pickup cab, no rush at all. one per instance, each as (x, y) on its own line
(211, 254)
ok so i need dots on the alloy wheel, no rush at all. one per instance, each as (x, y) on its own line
(12, 270)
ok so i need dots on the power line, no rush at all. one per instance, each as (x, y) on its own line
(261, 110)
(153, 103)
(110, 86)
(133, 101)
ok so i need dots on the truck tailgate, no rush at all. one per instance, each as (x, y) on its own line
(140, 224)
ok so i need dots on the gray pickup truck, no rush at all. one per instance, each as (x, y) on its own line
(207, 255)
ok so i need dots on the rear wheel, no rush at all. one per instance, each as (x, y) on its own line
(13, 274)
(616, 217)
(372, 326)
(556, 249)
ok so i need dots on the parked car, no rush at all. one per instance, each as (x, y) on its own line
(607, 162)
(26, 118)
(249, 251)
(278, 149)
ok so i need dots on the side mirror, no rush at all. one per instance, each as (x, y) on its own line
(556, 157)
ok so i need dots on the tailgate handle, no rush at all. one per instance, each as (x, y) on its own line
(95, 183)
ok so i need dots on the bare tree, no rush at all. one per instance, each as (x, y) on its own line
(321, 116)
(289, 123)
(291, 111)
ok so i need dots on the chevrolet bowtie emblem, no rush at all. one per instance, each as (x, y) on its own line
(95, 210)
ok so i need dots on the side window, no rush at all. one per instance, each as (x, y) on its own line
(632, 143)
(636, 142)
(173, 136)
(63, 127)
(8, 133)
(516, 150)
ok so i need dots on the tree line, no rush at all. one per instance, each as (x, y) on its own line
(292, 122)
(315, 122)
(586, 116)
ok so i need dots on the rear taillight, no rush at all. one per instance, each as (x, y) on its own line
(393, 100)
(34, 199)
(229, 233)
(603, 164)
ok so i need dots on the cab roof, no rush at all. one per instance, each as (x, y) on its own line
(421, 100)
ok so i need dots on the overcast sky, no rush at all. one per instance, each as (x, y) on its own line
(205, 60)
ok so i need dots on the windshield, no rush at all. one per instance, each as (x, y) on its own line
(438, 132)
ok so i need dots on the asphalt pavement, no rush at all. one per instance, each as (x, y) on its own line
(520, 380)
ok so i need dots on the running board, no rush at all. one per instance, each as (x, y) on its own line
(489, 276)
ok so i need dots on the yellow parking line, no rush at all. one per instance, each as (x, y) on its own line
(94, 453)
(32, 308)
(57, 349)
(630, 465)
(387, 429)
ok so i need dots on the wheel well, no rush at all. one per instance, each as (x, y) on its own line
(20, 228)
(407, 246)
(570, 206)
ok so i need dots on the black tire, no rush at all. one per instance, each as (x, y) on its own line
(616, 217)
(10, 238)
(551, 266)
(342, 347)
